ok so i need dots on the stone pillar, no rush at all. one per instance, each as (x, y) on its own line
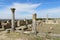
(34, 24)
(2, 25)
(47, 18)
(13, 19)
(26, 22)
(18, 23)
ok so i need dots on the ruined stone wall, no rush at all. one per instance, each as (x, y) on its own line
(8, 25)
(22, 22)
(52, 22)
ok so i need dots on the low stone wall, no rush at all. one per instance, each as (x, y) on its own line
(51, 22)
(22, 22)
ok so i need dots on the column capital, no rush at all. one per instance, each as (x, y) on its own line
(13, 10)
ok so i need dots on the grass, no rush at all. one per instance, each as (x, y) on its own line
(41, 28)
(46, 28)
(15, 35)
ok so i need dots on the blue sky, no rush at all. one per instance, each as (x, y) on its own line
(25, 8)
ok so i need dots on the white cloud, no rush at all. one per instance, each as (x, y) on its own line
(28, 8)
(53, 12)
(24, 7)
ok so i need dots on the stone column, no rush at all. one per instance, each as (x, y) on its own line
(13, 19)
(47, 18)
(18, 23)
(26, 22)
(2, 25)
(34, 23)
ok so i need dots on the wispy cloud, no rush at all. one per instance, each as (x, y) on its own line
(26, 10)
(24, 7)
(53, 12)
(22, 10)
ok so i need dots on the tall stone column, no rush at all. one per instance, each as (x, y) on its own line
(13, 19)
(34, 24)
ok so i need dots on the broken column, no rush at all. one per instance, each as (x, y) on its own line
(34, 24)
(13, 19)
(26, 23)
(2, 25)
(47, 18)
(18, 23)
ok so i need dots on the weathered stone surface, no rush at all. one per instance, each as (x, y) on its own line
(34, 23)
(13, 18)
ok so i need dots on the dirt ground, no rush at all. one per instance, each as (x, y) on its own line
(41, 28)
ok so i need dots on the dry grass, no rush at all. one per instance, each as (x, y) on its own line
(46, 28)
(41, 28)
(22, 36)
